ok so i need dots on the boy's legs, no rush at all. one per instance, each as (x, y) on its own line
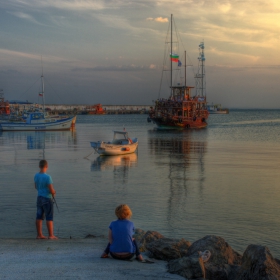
(48, 209)
(39, 219)
(50, 230)
(39, 224)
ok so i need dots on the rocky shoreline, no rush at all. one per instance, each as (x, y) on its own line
(256, 263)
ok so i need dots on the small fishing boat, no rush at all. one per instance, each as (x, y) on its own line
(217, 109)
(38, 120)
(121, 145)
(4, 105)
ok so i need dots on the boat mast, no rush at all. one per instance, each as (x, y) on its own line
(43, 87)
(185, 69)
(171, 54)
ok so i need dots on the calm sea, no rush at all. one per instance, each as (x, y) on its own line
(223, 180)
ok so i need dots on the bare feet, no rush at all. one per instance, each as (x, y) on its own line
(140, 258)
(41, 237)
(53, 237)
(104, 256)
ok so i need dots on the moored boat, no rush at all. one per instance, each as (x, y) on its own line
(4, 105)
(38, 120)
(95, 110)
(120, 145)
(182, 109)
(217, 109)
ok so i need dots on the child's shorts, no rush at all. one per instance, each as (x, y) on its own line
(44, 208)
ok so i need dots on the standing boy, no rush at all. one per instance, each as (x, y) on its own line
(43, 183)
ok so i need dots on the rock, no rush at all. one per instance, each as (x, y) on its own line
(221, 252)
(89, 236)
(168, 249)
(188, 267)
(147, 238)
(258, 264)
(138, 235)
(220, 272)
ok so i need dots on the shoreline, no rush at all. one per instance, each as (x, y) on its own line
(26, 258)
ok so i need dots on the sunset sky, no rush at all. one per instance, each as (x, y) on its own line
(112, 51)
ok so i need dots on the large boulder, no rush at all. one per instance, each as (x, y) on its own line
(147, 238)
(138, 234)
(189, 267)
(221, 252)
(258, 264)
(168, 249)
(220, 272)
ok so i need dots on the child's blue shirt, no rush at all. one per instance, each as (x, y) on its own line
(122, 231)
(42, 181)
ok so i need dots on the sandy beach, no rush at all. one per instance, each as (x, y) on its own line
(70, 259)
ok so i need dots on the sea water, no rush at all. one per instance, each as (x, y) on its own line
(222, 180)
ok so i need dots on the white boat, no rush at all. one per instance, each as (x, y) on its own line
(37, 121)
(121, 145)
(217, 109)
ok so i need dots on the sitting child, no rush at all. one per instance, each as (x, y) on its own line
(121, 243)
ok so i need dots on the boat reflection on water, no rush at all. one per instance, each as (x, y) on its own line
(119, 164)
(180, 154)
(124, 162)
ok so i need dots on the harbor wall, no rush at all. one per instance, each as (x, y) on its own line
(79, 108)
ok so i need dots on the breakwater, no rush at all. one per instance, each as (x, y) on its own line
(82, 108)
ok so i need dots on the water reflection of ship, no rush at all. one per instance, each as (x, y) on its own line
(37, 140)
(120, 164)
(181, 155)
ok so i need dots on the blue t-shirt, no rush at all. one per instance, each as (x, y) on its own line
(122, 231)
(42, 181)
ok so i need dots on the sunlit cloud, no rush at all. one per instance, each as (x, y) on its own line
(157, 19)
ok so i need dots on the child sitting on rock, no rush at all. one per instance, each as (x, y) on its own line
(121, 244)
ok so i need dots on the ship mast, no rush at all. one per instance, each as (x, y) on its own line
(200, 76)
(171, 54)
(185, 69)
(43, 87)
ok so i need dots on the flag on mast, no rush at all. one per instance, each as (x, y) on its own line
(179, 63)
(40, 94)
(174, 57)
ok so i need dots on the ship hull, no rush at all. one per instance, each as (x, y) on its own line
(179, 125)
(56, 125)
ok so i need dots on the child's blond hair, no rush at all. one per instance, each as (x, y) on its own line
(123, 212)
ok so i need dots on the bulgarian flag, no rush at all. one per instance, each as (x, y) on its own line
(174, 57)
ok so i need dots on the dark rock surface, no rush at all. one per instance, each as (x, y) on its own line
(221, 252)
(258, 264)
(188, 267)
(168, 249)
(138, 235)
(147, 238)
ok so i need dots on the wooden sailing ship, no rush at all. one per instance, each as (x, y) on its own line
(182, 109)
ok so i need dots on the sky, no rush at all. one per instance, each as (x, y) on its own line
(112, 51)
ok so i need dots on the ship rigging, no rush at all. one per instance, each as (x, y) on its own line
(182, 109)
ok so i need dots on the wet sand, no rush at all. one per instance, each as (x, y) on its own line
(70, 259)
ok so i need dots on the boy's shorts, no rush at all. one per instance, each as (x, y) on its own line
(44, 208)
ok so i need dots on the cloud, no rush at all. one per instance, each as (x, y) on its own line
(25, 16)
(74, 5)
(161, 19)
(114, 68)
(227, 54)
(157, 19)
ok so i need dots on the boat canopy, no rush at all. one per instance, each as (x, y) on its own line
(124, 133)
